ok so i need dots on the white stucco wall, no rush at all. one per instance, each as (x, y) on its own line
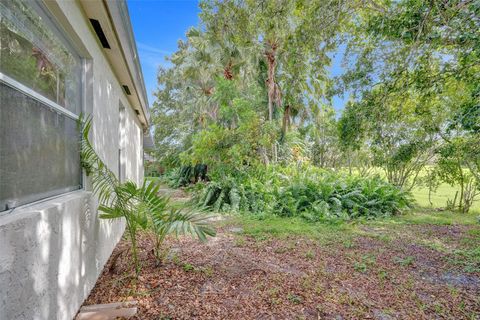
(52, 252)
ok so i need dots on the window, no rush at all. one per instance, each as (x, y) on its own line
(40, 101)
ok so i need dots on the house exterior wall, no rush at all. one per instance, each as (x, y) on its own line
(52, 251)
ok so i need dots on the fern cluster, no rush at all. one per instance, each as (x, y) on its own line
(306, 191)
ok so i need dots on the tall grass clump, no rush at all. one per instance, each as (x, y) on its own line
(308, 192)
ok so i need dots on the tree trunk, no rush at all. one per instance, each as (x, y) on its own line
(227, 71)
(462, 186)
(286, 119)
(271, 85)
(273, 90)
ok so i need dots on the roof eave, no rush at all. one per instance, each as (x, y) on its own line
(121, 22)
(122, 54)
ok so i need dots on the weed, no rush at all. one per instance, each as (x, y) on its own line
(307, 283)
(468, 258)
(474, 232)
(348, 244)
(438, 308)
(453, 291)
(366, 261)
(281, 250)
(188, 267)
(360, 267)
(404, 262)
(437, 218)
(273, 293)
(208, 271)
(260, 237)
(382, 275)
(310, 255)
(409, 284)
(283, 227)
(384, 238)
(175, 259)
(240, 242)
(436, 245)
(296, 299)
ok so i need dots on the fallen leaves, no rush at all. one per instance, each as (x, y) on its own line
(293, 278)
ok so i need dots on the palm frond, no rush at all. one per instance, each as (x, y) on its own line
(182, 222)
(103, 179)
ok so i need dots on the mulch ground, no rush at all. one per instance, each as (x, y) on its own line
(234, 276)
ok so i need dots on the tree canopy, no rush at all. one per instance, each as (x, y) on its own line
(253, 85)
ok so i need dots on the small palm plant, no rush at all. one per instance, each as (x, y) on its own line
(141, 206)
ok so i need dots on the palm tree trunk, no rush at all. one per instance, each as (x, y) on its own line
(271, 63)
(286, 119)
(272, 86)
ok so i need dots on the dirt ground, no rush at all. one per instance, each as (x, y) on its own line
(405, 275)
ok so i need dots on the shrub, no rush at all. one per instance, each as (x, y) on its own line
(141, 207)
(307, 191)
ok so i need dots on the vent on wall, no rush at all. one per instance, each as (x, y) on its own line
(127, 90)
(100, 34)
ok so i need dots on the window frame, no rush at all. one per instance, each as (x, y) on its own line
(59, 30)
(37, 96)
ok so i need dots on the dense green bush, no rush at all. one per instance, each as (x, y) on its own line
(185, 175)
(308, 192)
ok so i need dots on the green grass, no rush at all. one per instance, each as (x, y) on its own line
(439, 198)
(425, 216)
(283, 227)
(464, 252)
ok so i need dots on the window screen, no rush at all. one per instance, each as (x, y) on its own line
(39, 150)
(40, 100)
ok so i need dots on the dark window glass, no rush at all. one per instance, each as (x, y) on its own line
(39, 150)
(34, 53)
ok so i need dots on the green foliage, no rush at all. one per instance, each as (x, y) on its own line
(416, 89)
(46, 69)
(188, 267)
(404, 262)
(307, 192)
(141, 206)
(399, 141)
(239, 82)
(296, 299)
(438, 218)
(250, 95)
(366, 261)
(453, 157)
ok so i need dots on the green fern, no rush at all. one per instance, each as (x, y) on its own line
(308, 192)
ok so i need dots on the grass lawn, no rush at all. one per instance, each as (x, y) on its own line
(422, 265)
(439, 198)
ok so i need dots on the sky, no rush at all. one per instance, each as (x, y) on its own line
(157, 27)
